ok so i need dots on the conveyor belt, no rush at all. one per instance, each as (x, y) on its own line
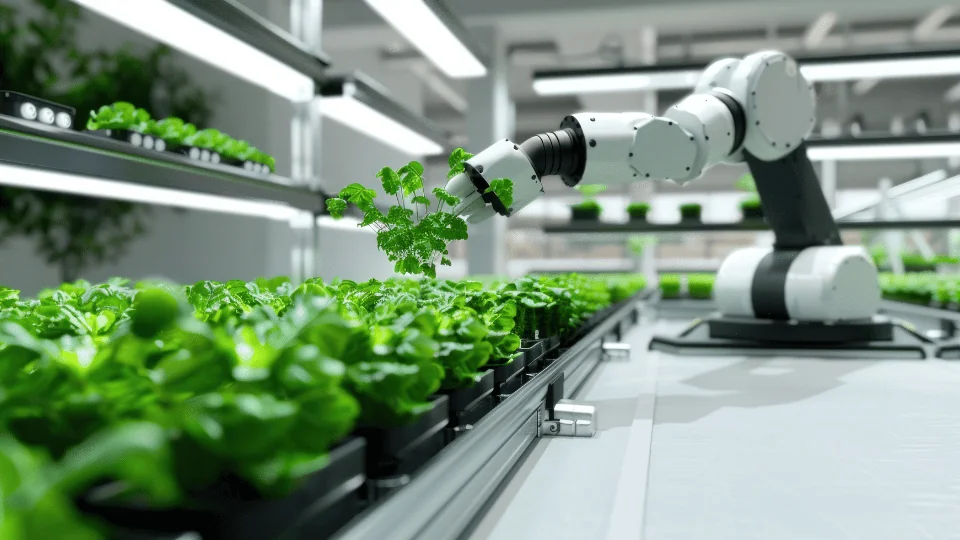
(740, 448)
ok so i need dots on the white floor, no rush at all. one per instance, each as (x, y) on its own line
(742, 449)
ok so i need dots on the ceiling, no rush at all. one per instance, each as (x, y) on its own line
(544, 34)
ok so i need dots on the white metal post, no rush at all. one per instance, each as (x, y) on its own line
(488, 120)
(306, 24)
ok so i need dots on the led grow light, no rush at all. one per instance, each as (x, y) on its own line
(169, 24)
(430, 27)
(45, 180)
(357, 104)
(900, 65)
(883, 151)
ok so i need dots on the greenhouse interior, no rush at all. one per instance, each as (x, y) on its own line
(461, 270)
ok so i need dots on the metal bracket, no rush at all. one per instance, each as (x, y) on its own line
(566, 417)
(613, 348)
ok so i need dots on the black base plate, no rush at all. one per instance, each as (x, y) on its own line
(788, 332)
(949, 352)
(696, 340)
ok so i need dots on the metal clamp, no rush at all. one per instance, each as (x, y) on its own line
(614, 348)
(566, 417)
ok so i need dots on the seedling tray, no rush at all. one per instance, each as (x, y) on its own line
(135, 138)
(508, 378)
(324, 503)
(401, 450)
(535, 352)
(18, 105)
(638, 219)
(467, 405)
(584, 215)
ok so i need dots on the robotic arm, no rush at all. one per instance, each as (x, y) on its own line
(757, 110)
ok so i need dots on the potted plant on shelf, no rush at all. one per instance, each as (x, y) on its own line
(588, 209)
(690, 213)
(751, 209)
(638, 211)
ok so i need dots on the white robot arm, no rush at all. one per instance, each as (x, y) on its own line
(760, 104)
(758, 109)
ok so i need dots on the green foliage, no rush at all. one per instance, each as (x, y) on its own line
(700, 286)
(690, 211)
(457, 158)
(670, 285)
(637, 243)
(162, 390)
(503, 189)
(172, 130)
(587, 206)
(415, 242)
(751, 203)
(590, 191)
(638, 209)
(746, 183)
(40, 57)
(120, 115)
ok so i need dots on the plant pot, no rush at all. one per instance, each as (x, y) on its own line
(401, 450)
(247, 165)
(204, 155)
(508, 378)
(468, 405)
(584, 214)
(690, 218)
(324, 502)
(37, 110)
(638, 218)
(751, 213)
(535, 351)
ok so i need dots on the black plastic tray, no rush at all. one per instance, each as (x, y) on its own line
(508, 378)
(535, 351)
(467, 405)
(324, 503)
(10, 103)
(401, 450)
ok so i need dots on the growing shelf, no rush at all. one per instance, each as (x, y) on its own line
(43, 148)
(575, 227)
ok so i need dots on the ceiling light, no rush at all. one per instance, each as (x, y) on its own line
(900, 65)
(430, 27)
(168, 23)
(59, 182)
(884, 148)
(356, 103)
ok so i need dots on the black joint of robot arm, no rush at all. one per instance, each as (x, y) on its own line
(739, 117)
(559, 153)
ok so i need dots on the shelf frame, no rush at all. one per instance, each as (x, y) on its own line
(573, 227)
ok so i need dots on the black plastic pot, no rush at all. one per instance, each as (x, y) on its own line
(584, 214)
(324, 503)
(508, 378)
(135, 138)
(401, 450)
(204, 155)
(469, 405)
(636, 217)
(535, 351)
(34, 109)
(752, 213)
(690, 218)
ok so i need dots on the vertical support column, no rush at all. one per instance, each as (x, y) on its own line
(306, 23)
(488, 120)
(644, 191)
(892, 240)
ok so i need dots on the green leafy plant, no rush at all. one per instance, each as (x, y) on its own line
(638, 210)
(700, 286)
(670, 285)
(120, 115)
(456, 161)
(690, 211)
(503, 189)
(588, 208)
(415, 241)
(172, 130)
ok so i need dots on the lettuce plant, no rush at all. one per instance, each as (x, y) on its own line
(172, 130)
(414, 238)
(120, 115)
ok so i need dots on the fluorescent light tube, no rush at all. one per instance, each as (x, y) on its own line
(167, 23)
(429, 28)
(47, 180)
(900, 68)
(900, 190)
(875, 66)
(615, 82)
(884, 151)
(359, 104)
(345, 223)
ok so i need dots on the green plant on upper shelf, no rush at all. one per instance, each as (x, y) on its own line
(637, 243)
(700, 286)
(120, 115)
(414, 238)
(173, 130)
(690, 211)
(638, 211)
(588, 208)
(41, 56)
(746, 183)
(670, 286)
